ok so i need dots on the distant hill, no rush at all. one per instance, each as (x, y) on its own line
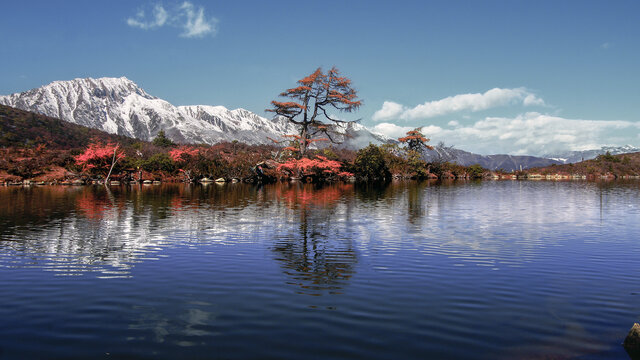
(491, 162)
(568, 157)
(616, 165)
(19, 128)
(521, 162)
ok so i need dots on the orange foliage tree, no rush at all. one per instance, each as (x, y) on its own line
(100, 157)
(415, 140)
(310, 102)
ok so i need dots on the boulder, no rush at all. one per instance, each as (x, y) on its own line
(632, 342)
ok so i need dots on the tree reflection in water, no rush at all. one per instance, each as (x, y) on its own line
(319, 254)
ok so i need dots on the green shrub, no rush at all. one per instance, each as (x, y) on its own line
(159, 162)
(370, 164)
(475, 171)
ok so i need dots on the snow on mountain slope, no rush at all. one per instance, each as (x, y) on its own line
(115, 105)
(119, 106)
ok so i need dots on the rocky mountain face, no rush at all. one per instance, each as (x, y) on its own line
(119, 106)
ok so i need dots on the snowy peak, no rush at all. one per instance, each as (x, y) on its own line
(114, 105)
(111, 88)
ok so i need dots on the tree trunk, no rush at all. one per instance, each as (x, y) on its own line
(303, 140)
(113, 163)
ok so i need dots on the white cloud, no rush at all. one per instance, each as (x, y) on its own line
(160, 17)
(605, 45)
(453, 123)
(391, 130)
(196, 24)
(190, 18)
(394, 131)
(527, 134)
(390, 110)
(532, 100)
(463, 102)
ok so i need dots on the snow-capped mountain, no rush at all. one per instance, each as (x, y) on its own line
(119, 106)
(568, 157)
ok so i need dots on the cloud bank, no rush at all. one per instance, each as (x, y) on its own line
(190, 18)
(530, 133)
(452, 104)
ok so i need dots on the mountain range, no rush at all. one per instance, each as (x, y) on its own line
(570, 157)
(119, 106)
(493, 162)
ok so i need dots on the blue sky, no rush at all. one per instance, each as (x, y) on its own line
(486, 76)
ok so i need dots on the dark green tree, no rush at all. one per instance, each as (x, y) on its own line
(162, 140)
(370, 164)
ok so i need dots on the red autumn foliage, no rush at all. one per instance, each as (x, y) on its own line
(99, 156)
(183, 153)
(320, 166)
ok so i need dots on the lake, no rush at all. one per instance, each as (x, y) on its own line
(458, 270)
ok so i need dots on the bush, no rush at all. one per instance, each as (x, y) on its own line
(318, 169)
(159, 162)
(370, 164)
(475, 171)
(26, 169)
(417, 166)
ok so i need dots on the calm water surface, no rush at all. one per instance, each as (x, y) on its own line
(490, 270)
